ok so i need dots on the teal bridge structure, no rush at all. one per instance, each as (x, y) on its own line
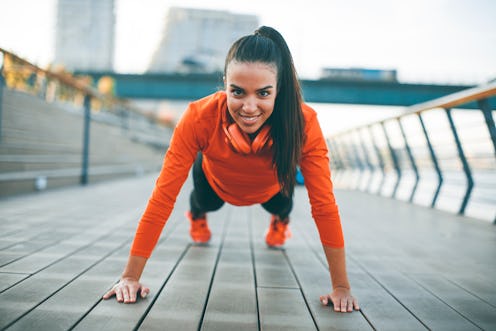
(194, 86)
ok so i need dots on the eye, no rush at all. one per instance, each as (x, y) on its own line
(264, 93)
(236, 92)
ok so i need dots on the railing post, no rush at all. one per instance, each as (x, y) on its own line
(434, 161)
(367, 160)
(345, 155)
(411, 158)
(463, 159)
(379, 158)
(340, 156)
(351, 161)
(488, 116)
(357, 161)
(86, 139)
(332, 158)
(395, 161)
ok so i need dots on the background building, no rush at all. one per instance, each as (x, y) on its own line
(197, 40)
(85, 34)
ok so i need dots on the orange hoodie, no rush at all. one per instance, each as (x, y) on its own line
(236, 178)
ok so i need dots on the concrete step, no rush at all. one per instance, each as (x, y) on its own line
(45, 140)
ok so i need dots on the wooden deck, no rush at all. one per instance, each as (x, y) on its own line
(411, 268)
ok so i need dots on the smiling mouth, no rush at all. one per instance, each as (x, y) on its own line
(249, 119)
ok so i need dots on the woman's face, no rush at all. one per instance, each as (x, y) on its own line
(251, 89)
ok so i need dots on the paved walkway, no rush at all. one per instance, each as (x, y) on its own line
(412, 268)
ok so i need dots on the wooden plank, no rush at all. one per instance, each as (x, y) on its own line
(312, 278)
(281, 309)
(413, 240)
(23, 297)
(44, 258)
(22, 249)
(472, 308)
(476, 284)
(377, 305)
(76, 235)
(66, 307)
(271, 266)
(49, 235)
(96, 229)
(181, 302)
(70, 304)
(433, 313)
(232, 300)
(395, 256)
(8, 279)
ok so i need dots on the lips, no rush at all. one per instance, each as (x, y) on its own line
(249, 119)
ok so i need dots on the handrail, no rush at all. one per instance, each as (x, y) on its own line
(63, 78)
(456, 99)
(80, 86)
(52, 86)
(449, 101)
(441, 152)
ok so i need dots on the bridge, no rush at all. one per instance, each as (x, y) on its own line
(195, 86)
(416, 195)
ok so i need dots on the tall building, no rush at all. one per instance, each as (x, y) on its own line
(197, 40)
(85, 34)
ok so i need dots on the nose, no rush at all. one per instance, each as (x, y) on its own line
(250, 105)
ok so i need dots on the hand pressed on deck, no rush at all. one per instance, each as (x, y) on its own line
(341, 299)
(126, 290)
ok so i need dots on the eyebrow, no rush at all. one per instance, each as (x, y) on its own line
(260, 89)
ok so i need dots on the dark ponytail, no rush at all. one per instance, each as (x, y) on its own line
(267, 45)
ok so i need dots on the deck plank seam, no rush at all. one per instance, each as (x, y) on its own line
(443, 301)
(469, 292)
(214, 271)
(31, 252)
(326, 267)
(288, 261)
(30, 239)
(388, 291)
(66, 284)
(64, 257)
(254, 267)
(280, 287)
(155, 298)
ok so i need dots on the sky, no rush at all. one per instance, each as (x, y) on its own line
(426, 41)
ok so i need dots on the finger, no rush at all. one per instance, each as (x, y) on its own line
(336, 303)
(344, 304)
(109, 294)
(125, 294)
(355, 304)
(350, 304)
(144, 291)
(132, 294)
(118, 294)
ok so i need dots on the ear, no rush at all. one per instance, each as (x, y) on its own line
(224, 80)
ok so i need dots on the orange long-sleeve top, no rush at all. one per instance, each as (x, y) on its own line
(236, 178)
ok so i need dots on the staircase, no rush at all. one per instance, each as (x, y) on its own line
(41, 144)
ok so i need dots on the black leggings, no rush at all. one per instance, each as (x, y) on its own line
(203, 198)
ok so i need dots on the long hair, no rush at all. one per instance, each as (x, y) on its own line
(266, 45)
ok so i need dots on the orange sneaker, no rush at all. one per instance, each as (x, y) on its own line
(199, 231)
(278, 232)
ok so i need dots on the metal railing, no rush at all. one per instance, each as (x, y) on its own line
(432, 154)
(77, 93)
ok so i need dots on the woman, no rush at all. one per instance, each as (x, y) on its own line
(245, 144)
